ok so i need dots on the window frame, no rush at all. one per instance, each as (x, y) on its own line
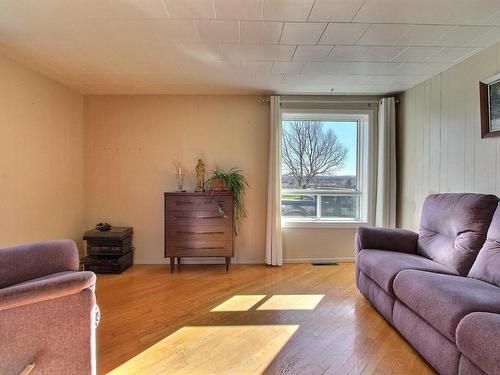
(364, 167)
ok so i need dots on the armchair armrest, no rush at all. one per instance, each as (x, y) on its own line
(390, 239)
(54, 286)
(30, 261)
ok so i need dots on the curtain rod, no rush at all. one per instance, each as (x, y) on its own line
(266, 100)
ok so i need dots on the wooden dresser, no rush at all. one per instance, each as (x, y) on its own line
(196, 227)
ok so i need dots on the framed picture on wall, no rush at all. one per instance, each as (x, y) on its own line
(489, 98)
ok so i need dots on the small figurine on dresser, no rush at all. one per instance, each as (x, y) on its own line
(200, 176)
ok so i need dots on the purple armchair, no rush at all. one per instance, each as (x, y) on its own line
(47, 310)
(440, 288)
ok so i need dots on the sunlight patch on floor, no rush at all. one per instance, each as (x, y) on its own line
(239, 303)
(212, 350)
(292, 302)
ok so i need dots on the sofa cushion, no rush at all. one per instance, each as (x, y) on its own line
(466, 367)
(443, 300)
(382, 266)
(487, 264)
(478, 337)
(453, 228)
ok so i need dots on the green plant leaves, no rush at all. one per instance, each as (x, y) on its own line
(237, 183)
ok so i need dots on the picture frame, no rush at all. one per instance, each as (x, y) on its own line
(489, 99)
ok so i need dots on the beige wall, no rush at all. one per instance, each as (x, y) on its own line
(67, 162)
(318, 244)
(41, 157)
(441, 149)
(132, 143)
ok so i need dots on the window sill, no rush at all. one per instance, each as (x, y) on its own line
(313, 224)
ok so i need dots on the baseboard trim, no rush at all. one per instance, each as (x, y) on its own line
(201, 261)
(246, 261)
(320, 260)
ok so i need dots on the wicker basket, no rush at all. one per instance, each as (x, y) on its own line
(218, 185)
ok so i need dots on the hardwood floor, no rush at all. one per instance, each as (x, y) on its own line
(297, 319)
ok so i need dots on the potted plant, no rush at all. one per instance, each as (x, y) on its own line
(234, 181)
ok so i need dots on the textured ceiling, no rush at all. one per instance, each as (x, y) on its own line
(245, 46)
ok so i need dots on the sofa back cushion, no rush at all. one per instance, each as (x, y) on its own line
(453, 228)
(487, 264)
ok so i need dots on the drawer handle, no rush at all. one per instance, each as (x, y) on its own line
(201, 248)
(187, 232)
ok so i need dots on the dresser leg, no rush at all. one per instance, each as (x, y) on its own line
(172, 264)
(179, 261)
(228, 260)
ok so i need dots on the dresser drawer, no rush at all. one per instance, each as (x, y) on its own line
(199, 217)
(203, 202)
(201, 248)
(198, 232)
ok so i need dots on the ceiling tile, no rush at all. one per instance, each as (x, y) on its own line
(334, 10)
(240, 51)
(349, 68)
(449, 12)
(312, 53)
(89, 9)
(453, 54)
(218, 31)
(288, 67)
(493, 19)
(238, 9)
(302, 33)
(311, 79)
(365, 53)
(183, 46)
(277, 52)
(343, 33)
(200, 9)
(417, 54)
(152, 30)
(420, 68)
(462, 35)
(261, 32)
(467, 12)
(422, 35)
(202, 51)
(487, 39)
(383, 35)
(404, 11)
(286, 10)
(257, 66)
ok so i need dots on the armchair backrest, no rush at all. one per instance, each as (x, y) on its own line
(453, 228)
(30, 261)
(487, 264)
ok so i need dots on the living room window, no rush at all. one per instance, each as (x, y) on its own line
(324, 169)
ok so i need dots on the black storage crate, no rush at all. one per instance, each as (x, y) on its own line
(107, 264)
(108, 251)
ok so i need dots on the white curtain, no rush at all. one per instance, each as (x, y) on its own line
(385, 212)
(274, 251)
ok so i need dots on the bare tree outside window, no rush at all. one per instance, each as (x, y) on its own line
(309, 151)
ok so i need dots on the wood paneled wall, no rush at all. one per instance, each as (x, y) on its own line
(440, 145)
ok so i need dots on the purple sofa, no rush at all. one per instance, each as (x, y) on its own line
(440, 288)
(47, 310)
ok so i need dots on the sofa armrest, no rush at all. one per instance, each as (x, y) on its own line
(390, 239)
(30, 261)
(54, 286)
(478, 338)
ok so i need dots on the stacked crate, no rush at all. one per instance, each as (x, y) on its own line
(108, 251)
